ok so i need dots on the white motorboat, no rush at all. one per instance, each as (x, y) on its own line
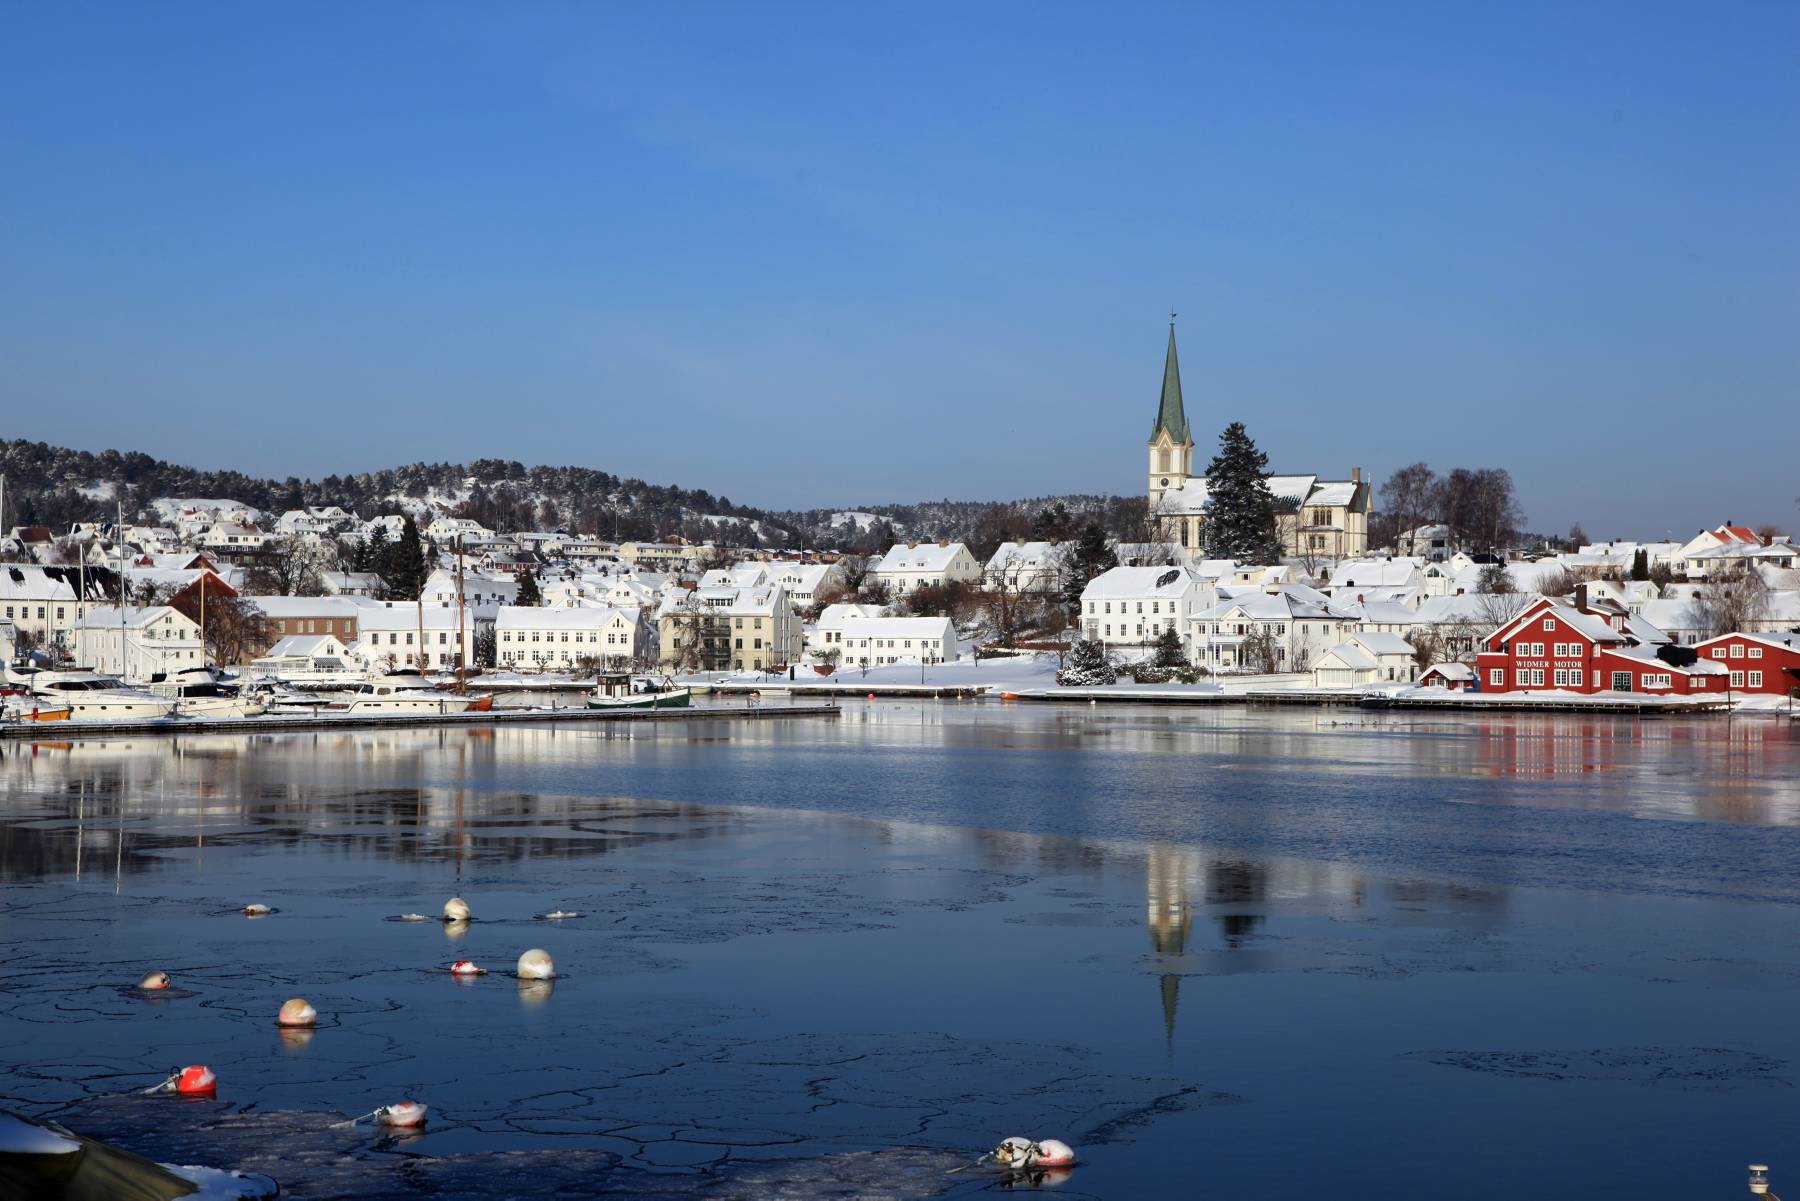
(91, 696)
(402, 692)
(202, 692)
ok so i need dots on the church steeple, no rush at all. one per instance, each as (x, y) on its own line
(1171, 442)
(1170, 415)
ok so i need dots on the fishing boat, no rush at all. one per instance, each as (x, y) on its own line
(90, 696)
(614, 690)
(401, 692)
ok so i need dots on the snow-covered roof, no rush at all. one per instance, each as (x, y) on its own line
(135, 618)
(1024, 556)
(900, 627)
(23, 581)
(304, 606)
(1450, 671)
(305, 646)
(1378, 642)
(528, 617)
(1374, 573)
(1350, 655)
(923, 556)
(1139, 583)
(1647, 654)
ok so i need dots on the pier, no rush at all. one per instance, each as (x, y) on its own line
(284, 723)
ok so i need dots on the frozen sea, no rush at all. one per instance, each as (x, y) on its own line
(1222, 951)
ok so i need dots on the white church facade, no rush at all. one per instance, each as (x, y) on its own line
(1317, 518)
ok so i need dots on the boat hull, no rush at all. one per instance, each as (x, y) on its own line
(677, 699)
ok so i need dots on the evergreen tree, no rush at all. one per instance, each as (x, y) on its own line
(1092, 555)
(1087, 667)
(1640, 565)
(407, 566)
(373, 553)
(1240, 509)
(529, 595)
(1169, 652)
(1052, 524)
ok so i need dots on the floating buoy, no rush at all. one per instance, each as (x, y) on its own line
(412, 917)
(466, 967)
(196, 1080)
(296, 1012)
(257, 910)
(401, 1113)
(871, 696)
(154, 981)
(1020, 1153)
(557, 915)
(456, 910)
(536, 964)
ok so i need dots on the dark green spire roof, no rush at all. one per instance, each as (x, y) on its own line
(1171, 416)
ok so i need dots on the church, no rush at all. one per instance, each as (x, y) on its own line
(1317, 518)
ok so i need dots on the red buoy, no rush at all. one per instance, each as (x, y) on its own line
(466, 967)
(401, 1113)
(196, 1080)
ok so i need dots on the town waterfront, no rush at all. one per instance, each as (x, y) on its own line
(1335, 952)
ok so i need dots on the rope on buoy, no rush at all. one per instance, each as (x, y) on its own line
(194, 1080)
(403, 1114)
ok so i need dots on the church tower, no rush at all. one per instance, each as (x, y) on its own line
(1171, 445)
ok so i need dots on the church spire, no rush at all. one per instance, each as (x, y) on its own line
(1170, 415)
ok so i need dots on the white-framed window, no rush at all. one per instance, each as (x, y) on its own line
(1537, 677)
(1737, 679)
(1756, 679)
(1575, 674)
(1522, 678)
(1737, 650)
(1497, 677)
(1562, 677)
(1756, 652)
(1550, 623)
(1718, 652)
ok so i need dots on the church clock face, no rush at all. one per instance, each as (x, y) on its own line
(1165, 482)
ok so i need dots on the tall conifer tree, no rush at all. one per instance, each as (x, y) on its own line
(1240, 509)
(407, 568)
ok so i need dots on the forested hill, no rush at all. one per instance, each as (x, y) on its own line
(57, 486)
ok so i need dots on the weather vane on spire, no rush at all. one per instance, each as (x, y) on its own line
(1171, 314)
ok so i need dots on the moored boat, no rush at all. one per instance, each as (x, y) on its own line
(90, 696)
(615, 690)
(401, 692)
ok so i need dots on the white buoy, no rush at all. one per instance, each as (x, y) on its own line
(401, 1113)
(466, 967)
(1021, 1153)
(557, 915)
(456, 910)
(296, 1012)
(536, 964)
(154, 981)
(414, 917)
(257, 910)
(1012, 1152)
(1053, 1153)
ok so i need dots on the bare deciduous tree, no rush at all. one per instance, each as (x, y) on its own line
(1731, 600)
(1410, 497)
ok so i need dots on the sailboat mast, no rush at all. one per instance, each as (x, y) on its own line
(119, 534)
(462, 664)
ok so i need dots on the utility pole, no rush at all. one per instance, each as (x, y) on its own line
(462, 665)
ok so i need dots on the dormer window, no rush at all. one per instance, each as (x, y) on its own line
(1549, 623)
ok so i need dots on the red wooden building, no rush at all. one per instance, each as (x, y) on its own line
(1756, 662)
(1554, 646)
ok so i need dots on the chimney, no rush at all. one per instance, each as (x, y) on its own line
(1356, 475)
(1581, 597)
(943, 542)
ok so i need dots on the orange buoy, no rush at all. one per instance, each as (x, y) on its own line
(401, 1113)
(154, 981)
(196, 1080)
(296, 1012)
(871, 696)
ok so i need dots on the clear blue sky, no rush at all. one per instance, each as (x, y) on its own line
(826, 253)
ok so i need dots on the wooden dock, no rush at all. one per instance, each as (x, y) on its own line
(58, 731)
(798, 689)
(1628, 704)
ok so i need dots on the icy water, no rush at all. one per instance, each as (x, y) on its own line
(1221, 952)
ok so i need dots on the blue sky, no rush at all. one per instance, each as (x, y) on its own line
(822, 254)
